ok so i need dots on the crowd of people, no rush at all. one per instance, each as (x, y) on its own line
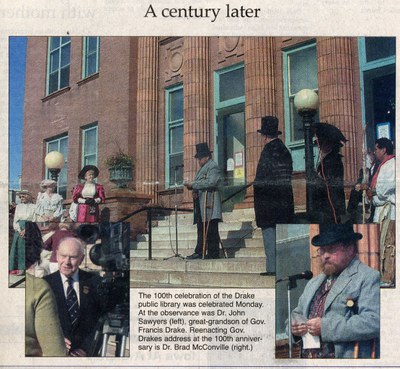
(67, 292)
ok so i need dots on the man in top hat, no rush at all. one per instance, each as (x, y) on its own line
(88, 195)
(207, 204)
(273, 193)
(340, 306)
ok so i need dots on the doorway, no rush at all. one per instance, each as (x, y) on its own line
(231, 153)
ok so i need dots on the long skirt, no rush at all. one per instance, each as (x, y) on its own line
(85, 214)
(17, 253)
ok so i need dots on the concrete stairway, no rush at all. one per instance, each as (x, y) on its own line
(240, 237)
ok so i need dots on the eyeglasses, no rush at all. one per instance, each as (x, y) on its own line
(331, 250)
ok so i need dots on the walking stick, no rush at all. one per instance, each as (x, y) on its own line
(204, 224)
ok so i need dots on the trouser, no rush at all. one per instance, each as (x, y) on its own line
(212, 243)
(269, 238)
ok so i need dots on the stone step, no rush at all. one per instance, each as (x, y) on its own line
(187, 228)
(244, 265)
(237, 215)
(189, 244)
(199, 279)
(245, 233)
(164, 253)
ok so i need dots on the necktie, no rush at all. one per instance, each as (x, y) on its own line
(72, 302)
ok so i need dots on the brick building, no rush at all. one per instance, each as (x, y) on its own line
(155, 97)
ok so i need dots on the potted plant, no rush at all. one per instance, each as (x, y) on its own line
(120, 166)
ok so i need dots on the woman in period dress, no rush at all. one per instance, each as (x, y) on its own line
(24, 212)
(88, 195)
(49, 204)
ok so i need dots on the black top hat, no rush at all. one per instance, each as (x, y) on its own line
(82, 173)
(202, 150)
(269, 126)
(330, 234)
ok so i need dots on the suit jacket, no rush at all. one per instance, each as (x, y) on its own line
(81, 334)
(341, 324)
(273, 193)
(43, 335)
(208, 178)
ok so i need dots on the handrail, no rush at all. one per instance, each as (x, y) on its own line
(149, 210)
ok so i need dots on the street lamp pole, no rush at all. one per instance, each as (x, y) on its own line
(54, 162)
(306, 103)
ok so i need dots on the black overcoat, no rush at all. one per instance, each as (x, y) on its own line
(329, 189)
(273, 193)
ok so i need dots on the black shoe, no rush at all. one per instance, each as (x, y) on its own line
(211, 257)
(193, 256)
(268, 274)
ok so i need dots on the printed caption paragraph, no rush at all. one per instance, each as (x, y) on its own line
(199, 321)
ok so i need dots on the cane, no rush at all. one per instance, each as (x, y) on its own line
(204, 224)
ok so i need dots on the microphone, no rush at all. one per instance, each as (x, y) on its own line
(304, 275)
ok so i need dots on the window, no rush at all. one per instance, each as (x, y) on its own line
(58, 63)
(379, 48)
(300, 72)
(89, 145)
(377, 57)
(60, 144)
(91, 56)
(230, 131)
(174, 136)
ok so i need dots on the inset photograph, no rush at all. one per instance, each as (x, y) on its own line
(77, 290)
(328, 292)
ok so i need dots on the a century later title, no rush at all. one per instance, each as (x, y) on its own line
(212, 14)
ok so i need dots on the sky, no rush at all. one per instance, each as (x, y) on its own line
(17, 51)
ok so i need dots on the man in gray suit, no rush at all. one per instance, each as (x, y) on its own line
(339, 309)
(207, 203)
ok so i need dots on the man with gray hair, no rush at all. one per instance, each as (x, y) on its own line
(76, 295)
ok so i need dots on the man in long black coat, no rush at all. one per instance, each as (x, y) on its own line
(273, 193)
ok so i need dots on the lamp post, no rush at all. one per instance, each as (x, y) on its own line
(54, 161)
(306, 103)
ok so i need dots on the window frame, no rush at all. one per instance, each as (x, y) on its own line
(85, 130)
(85, 56)
(295, 146)
(170, 124)
(49, 53)
(236, 103)
(64, 169)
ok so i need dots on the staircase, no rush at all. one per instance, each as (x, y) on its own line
(240, 237)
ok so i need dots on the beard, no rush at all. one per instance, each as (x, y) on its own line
(330, 269)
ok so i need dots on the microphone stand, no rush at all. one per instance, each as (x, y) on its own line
(176, 254)
(291, 284)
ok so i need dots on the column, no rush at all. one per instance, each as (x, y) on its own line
(196, 85)
(260, 93)
(147, 104)
(337, 96)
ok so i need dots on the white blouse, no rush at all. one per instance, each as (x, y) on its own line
(23, 212)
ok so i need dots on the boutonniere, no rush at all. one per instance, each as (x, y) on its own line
(351, 303)
(85, 289)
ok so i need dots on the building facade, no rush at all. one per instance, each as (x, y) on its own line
(154, 98)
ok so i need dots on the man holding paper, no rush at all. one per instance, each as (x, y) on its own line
(338, 313)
